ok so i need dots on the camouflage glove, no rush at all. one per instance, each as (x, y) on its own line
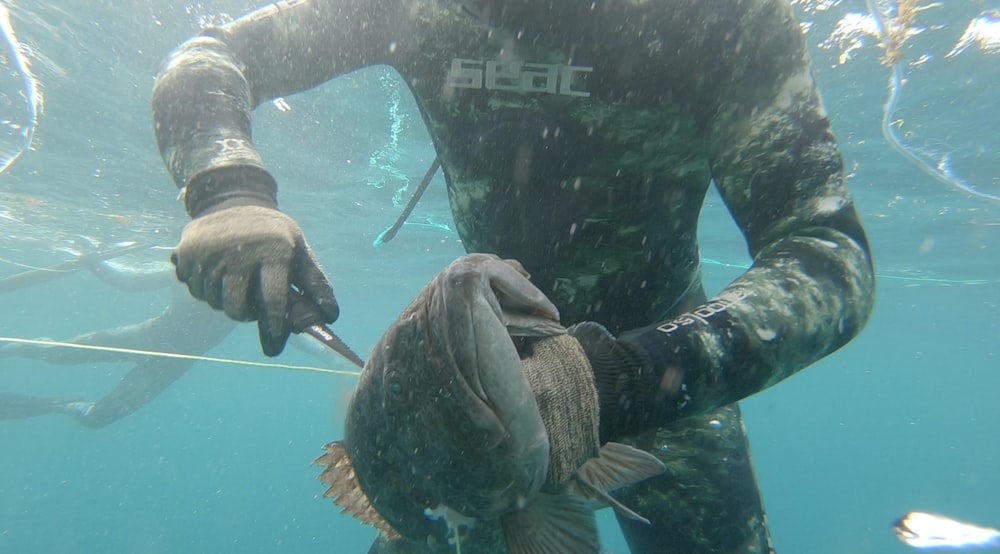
(563, 382)
(245, 260)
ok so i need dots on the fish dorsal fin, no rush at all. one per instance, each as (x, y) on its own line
(617, 465)
(345, 490)
(552, 524)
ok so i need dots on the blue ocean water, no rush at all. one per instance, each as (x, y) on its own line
(904, 418)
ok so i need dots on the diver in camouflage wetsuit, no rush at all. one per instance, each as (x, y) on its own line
(578, 137)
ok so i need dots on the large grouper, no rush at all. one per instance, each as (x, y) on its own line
(474, 425)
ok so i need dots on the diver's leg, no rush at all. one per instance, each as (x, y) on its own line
(187, 326)
(137, 336)
(21, 406)
(143, 383)
(707, 502)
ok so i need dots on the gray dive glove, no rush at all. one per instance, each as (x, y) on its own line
(244, 256)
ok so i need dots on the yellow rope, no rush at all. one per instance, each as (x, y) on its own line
(155, 353)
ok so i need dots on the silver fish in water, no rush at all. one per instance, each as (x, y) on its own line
(933, 532)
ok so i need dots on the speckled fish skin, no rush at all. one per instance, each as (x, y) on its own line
(443, 414)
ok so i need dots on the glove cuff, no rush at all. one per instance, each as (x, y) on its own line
(669, 361)
(229, 187)
(625, 381)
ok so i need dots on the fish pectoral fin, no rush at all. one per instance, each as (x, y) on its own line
(618, 465)
(587, 490)
(345, 489)
(552, 524)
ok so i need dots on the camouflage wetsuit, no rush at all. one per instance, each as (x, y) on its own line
(579, 137)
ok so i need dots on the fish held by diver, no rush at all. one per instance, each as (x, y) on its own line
(448, 426)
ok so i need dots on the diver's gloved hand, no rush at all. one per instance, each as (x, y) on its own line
(240, 254)
(626, 380)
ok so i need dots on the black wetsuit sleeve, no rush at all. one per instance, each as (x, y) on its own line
(777, 165)
(208, 87)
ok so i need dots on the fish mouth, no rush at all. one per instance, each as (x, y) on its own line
(472, 309)
(474, 399)
(506, 412)
(487, 382)
(500, 455)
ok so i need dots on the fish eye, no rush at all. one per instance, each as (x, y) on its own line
(393, 383)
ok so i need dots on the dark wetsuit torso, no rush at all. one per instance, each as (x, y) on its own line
(580, 137)
(560, 155)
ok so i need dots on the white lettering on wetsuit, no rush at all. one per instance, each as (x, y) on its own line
(704, 313)
(517, 76)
